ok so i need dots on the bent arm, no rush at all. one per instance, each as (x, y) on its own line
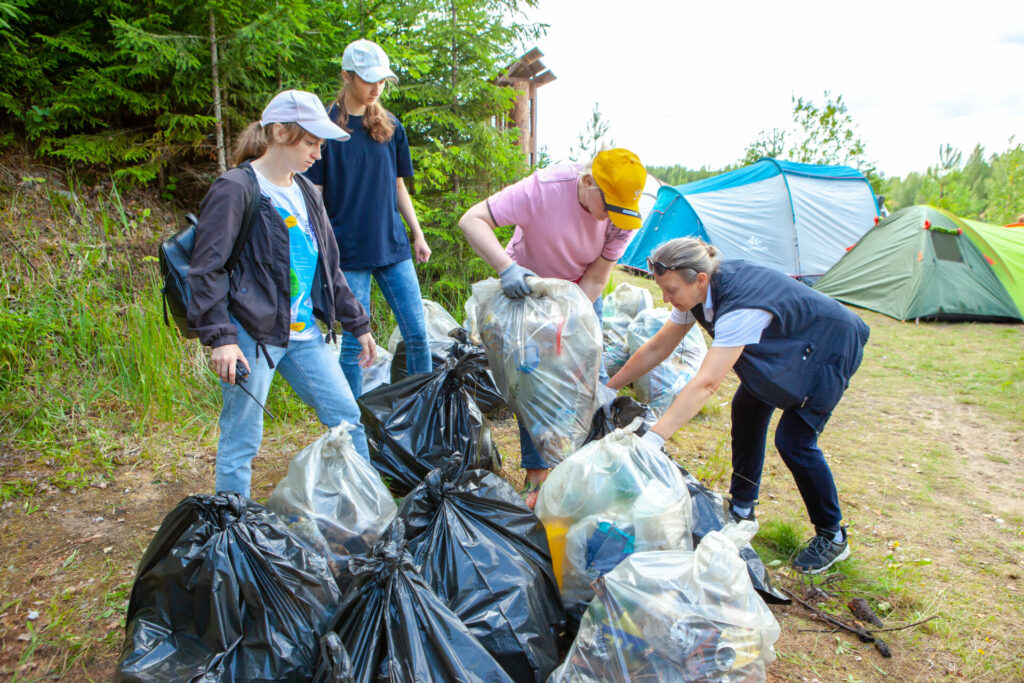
(654, 351)
(595, 277)
(478, 227)
(696, 393)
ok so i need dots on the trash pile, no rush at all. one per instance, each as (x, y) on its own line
(613, 497)
(544, 350)
(333, 499)
(676, 615)
(461, 581)
(619, 309)
(659, 387)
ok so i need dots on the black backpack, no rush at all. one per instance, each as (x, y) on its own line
(175, 255)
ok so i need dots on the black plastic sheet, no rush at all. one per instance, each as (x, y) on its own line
(395, 628)
(619, 414)
(225, 593)
(479, 382)
(423, 421)
(486, 556)
(710, 512)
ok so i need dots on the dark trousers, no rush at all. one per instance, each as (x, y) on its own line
(797, 443)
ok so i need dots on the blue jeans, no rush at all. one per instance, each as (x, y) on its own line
(312, 371)
(401, 289)
(797, 443)
(530, 458)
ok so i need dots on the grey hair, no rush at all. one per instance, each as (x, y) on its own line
(688, 256)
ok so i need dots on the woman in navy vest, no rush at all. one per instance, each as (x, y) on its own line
(792, 347)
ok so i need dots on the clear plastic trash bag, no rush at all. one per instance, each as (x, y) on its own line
(676, 616)
(613, 497)
(439, 323)
(545, 353)
(620, 307)
(659, 387)
(333, 499)
(379, 373)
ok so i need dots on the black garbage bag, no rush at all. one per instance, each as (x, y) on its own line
(619, 414)
(423, 421)
(395, 628)
(335, 664)
(485, 554)
(709, 508)
(226, 593)
(479, 382)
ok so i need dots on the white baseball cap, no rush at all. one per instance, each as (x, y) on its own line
(368, 60)
(305, 109)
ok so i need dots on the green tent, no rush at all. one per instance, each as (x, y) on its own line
(924, 262)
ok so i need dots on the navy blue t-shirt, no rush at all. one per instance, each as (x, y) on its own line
(358, 177)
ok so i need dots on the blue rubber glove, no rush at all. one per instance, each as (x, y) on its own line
(513, 281)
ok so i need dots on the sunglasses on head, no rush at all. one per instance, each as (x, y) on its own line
(660, 268)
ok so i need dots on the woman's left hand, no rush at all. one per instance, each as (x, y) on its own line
(368, 356)
(421, 248)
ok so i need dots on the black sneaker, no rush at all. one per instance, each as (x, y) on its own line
(736, 517)
(821, 553)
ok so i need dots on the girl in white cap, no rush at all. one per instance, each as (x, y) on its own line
(366, 198)
(284, 278)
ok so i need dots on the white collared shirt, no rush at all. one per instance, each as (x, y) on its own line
(739, 327)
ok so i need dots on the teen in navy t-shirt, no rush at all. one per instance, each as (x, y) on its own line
(366, 200)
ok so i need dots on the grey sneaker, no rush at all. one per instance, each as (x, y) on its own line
(821, 553)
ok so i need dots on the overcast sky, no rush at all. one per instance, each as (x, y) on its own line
(693, 83)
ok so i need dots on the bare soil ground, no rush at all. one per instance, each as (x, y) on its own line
(930, 481)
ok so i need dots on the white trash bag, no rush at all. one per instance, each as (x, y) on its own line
(676, 616)
(379, 373)
(659, 387)
(333, 498)
(627, 301)
(545, 353)
(439, 323)
(619, 309)
(613, 497)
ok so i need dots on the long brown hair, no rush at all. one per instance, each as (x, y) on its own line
(252, 142)
(378, 122)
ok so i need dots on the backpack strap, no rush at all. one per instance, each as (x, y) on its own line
(247, 219)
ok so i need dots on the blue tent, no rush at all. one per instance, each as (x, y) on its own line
(797, 218)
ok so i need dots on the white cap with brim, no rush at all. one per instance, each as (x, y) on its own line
(305, 109)
(368, 60)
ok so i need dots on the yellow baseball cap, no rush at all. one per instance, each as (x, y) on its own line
(621, 177)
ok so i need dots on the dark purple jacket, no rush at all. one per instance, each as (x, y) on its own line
(258, 291)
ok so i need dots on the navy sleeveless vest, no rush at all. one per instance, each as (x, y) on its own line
(808, 352)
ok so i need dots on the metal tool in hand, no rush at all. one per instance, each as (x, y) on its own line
(241, 373)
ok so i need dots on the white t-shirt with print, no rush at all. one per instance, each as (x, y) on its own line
(303, 252)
